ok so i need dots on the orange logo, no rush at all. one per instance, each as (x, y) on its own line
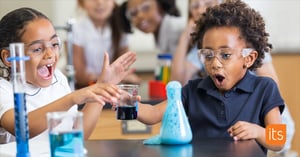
(276, 134)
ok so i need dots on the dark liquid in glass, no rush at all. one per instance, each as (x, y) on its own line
(126, 112)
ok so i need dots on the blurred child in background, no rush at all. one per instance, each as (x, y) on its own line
(96, 32)
(186, 64)
(159, 17)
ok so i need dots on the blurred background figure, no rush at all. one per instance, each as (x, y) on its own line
(97, 31)
(186, 64)
(159, 17)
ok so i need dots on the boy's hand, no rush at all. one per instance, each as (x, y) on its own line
(242, 130)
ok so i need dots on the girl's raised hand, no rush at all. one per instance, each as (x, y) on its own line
(118, 70)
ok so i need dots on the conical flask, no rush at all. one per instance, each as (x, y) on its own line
(175, 127)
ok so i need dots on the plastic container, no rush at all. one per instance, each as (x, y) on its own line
(163, 68)
(157, 90)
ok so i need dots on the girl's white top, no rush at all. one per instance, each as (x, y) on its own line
(95, 42)
(169, 33)
(35, 98)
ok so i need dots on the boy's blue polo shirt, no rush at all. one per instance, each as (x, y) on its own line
(210, 114)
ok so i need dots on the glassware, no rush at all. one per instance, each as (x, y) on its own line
(66, 134)
(175, 128)
(17, 59)
(127, 106)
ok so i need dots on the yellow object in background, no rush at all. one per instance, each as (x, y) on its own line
(163, 69)
(166, 72)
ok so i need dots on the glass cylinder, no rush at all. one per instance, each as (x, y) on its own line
(17, 59)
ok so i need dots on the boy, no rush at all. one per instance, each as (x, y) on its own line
(230, 102)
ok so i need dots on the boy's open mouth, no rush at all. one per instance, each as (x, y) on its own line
(219, 79)
(45, 71)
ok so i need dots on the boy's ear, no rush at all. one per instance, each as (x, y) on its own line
(4, 55)
(250, 59)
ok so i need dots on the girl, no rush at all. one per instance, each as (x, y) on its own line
(95, 33)
(47, 89)
(160, 17)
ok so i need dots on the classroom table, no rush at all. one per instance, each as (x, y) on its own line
(210, 147)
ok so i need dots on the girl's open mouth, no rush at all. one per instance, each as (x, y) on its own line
(46, 71)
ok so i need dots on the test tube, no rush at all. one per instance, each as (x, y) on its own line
(17, 59)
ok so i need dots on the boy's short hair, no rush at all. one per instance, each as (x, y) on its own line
(237, 14)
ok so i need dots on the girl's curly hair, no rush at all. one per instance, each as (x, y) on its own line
(237, 14)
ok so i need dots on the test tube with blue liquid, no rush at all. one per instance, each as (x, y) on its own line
(17, 59)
